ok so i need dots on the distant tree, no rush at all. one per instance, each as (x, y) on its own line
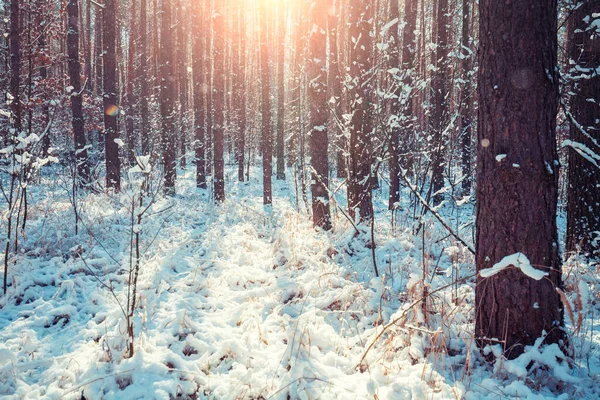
(267, 138)
(167, 89)
(440, 98)
(130, 100)
(319, 114)
(402, 103)
(517, 174)
(361, 124)
(239, 93)
(74, 66)
(15, 63)
(110, 99)
(466, 99)
(219, 102)
(182, 77)
(583, 205)
(281, 91)
(199, 91)
(334, 84)
(144, 76)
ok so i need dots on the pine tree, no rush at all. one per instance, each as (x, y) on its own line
(517, 174)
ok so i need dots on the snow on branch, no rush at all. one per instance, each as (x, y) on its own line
(518, 260)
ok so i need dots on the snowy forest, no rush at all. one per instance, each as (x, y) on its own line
(300, 199)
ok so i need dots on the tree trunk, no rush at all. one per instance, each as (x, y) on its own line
(182, 42)
(281, 93)
(199, 92)
(77, 121)
(143, 79)
(517, 174)
(99, 74)
(335, 87)
(88, 48)
(167, 86)
(440, 101)
(240, 98)
(360, 182)
(267, 138)
(466, 99)
(130, 102)
(583, 207)
(219, 102)
(15, 64)
(318, 116)
(110, 100)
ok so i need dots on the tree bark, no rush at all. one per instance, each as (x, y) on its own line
(267, 138)
(466, 99)
(110, 100)
(130, 102)
(199, 93)
(318, 116)
(77, 121)
(167, 89)
(583, 207)
(440, 101)
(144, 77)
(15, 64)
(219, 102)
(335, 87)
(517, 174)
(240, 98)
(281, 93)
(360, 182)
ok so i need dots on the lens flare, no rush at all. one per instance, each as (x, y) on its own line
(111, 110)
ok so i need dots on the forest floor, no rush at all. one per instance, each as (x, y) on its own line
(239, 301)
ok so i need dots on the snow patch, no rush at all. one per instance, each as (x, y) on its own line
(518, 260)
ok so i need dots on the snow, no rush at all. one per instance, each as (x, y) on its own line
(238, 301)
(517, 260)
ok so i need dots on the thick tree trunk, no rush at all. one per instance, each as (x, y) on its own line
(360, 182)
(583, 208)
(219, 103)
(199, 92)
(267, 137)
(77, 121)
(110, 100)
(517, 174)
(318, 116)
(167, 88)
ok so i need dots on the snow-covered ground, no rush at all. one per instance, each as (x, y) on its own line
(241, 302)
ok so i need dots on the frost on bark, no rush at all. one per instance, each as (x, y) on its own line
(517, 174)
